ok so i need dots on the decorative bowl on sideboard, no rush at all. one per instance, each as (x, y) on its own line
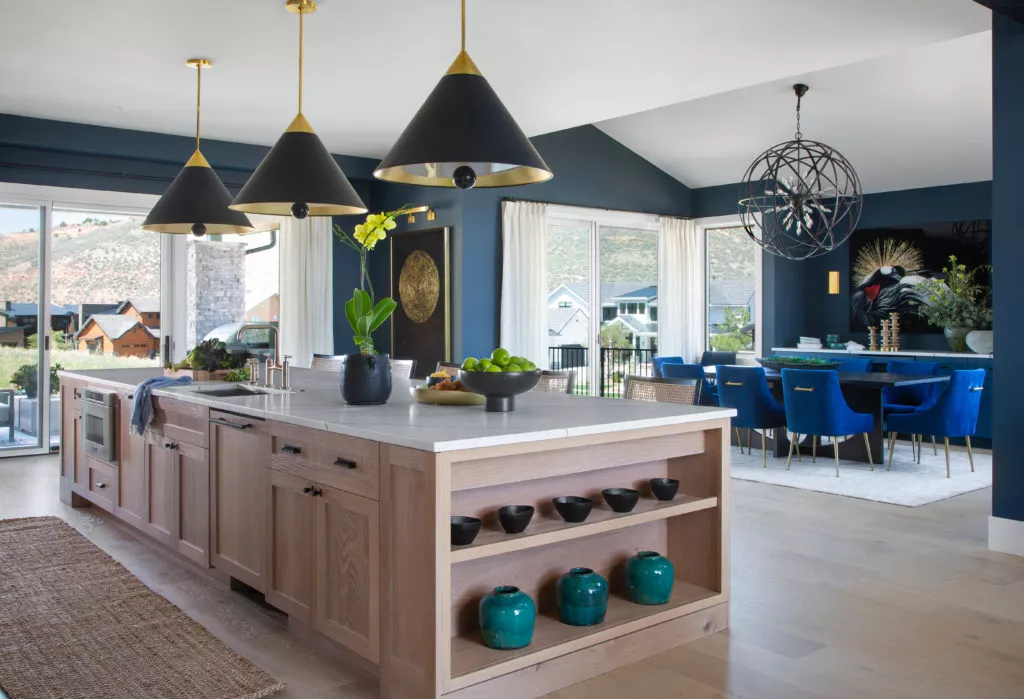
(780, 363)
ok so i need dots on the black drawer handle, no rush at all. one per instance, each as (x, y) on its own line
(232, 425)
(308, 489)
(318, 492)
(170, 445)
(345, 463)
(75, 393)
(289, 449)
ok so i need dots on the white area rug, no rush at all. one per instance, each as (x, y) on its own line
(908, 483)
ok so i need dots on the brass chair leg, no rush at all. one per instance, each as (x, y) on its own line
(835, 450)
(947, 457)
(799, 454)
(920, 447)
(970, 453)
(935, 450)
(739, 440)
(749, 430)
(814, 449)
(790, 459)
(892, 448)
(867, 445)
(764, 450)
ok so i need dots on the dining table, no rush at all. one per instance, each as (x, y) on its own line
(863, 392)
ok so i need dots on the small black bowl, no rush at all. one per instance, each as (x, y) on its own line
(664, 488)
(621, 499)
(573, 508)
(464, 530)
(515, 518)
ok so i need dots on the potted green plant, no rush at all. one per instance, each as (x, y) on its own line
(958, 304)
(366, 375)
(210, 360)
(26, 378)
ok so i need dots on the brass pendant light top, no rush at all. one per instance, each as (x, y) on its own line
(463, 136)
(196, 201)
(298, 177)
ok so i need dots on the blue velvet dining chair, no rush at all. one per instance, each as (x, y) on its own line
(673, 370)
(658, 361)
(711, 358)
(815, 406)
(953, 414)
(854, 366)
(910, 399)
(745, 389)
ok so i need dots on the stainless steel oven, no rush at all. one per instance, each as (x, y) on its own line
(99, 424)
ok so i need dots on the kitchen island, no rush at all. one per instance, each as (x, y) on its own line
(339, 515)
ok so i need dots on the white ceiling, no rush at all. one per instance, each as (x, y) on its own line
(918, 118)
(370, 63)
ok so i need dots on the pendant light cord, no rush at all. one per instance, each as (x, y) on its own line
(301, 13)
(199, 96)
(463, 25)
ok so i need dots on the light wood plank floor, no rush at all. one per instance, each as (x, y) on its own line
(832, 598)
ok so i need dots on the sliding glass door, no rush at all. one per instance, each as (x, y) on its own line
(24, 385)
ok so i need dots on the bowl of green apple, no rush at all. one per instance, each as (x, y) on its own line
(500, 377)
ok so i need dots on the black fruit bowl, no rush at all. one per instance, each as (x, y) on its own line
(664, 488)
(573, 508)
(515, 518)
(621, 499)
(501, 388)
(464, 530)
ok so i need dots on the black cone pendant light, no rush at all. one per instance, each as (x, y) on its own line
(298, 177)
(463, 136)
(197, 201)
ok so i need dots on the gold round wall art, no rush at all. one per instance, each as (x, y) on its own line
(419, 286)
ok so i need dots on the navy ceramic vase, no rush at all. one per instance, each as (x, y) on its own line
(366, 379)
(649, 578)
(507, 616)
(582, 597)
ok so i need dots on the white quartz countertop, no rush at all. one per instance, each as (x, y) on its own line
(877, 353)
(315, 402)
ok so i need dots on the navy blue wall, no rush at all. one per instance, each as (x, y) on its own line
(1007, 251)
(796, 301)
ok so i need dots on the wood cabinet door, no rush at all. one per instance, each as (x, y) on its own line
(70, 412)
(348, 570)
(81, 462)
(158, 473)
(291, 564)
(192, 503)
(239, 450)
(131, 468)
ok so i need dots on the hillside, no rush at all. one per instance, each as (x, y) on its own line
(92, 263)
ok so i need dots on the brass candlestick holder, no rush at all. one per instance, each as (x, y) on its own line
(894, 330)
(873, 338)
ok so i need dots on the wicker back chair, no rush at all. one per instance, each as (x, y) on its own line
(403, 368)
(682, 391)
(556, 382)
(327, 362)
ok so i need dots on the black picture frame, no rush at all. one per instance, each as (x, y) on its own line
(421, 324)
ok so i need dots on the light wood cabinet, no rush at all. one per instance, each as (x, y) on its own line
(158, 474)
(191, 503)
(239, 450)
(291, 548)
(70, 415)
(131, 468)
(347, 577)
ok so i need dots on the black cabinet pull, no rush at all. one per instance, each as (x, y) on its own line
(289, 449)
(308, 489)
(228, 423)
(318, 492)
(170, 445)
(75, 393)
(345, 463)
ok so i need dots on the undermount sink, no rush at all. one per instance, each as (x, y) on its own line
(235, 391)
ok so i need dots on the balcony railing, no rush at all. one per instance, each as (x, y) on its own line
(614, 364)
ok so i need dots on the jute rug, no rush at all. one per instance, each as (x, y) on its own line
(75, 623)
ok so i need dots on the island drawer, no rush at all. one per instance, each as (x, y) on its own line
(180, 421)
(102, 481)
(347, 463)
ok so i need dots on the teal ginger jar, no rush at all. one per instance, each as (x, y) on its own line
(649, 578)
(582, 597)
(507, 616)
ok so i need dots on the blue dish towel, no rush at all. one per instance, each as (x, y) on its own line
(142, 404)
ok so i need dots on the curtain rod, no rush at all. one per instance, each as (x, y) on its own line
(596, 208)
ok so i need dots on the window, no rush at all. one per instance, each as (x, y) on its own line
(653, 313)
(601, 257)
(731, 289)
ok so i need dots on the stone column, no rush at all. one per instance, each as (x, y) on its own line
(216, 287)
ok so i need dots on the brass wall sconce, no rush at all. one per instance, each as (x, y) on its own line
(833, 282)
(431, 214)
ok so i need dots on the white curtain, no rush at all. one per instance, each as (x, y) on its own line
(307, 288)
(524, 233)
(680, 290)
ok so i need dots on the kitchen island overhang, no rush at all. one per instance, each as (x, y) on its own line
(433, 462)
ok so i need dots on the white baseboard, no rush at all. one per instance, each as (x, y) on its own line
(1006, 535)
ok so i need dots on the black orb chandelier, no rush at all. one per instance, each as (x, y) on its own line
(801, 198)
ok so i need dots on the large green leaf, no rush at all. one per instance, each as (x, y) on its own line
(363, 325)
(385, 307)
(363, 303)
(350, 312)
